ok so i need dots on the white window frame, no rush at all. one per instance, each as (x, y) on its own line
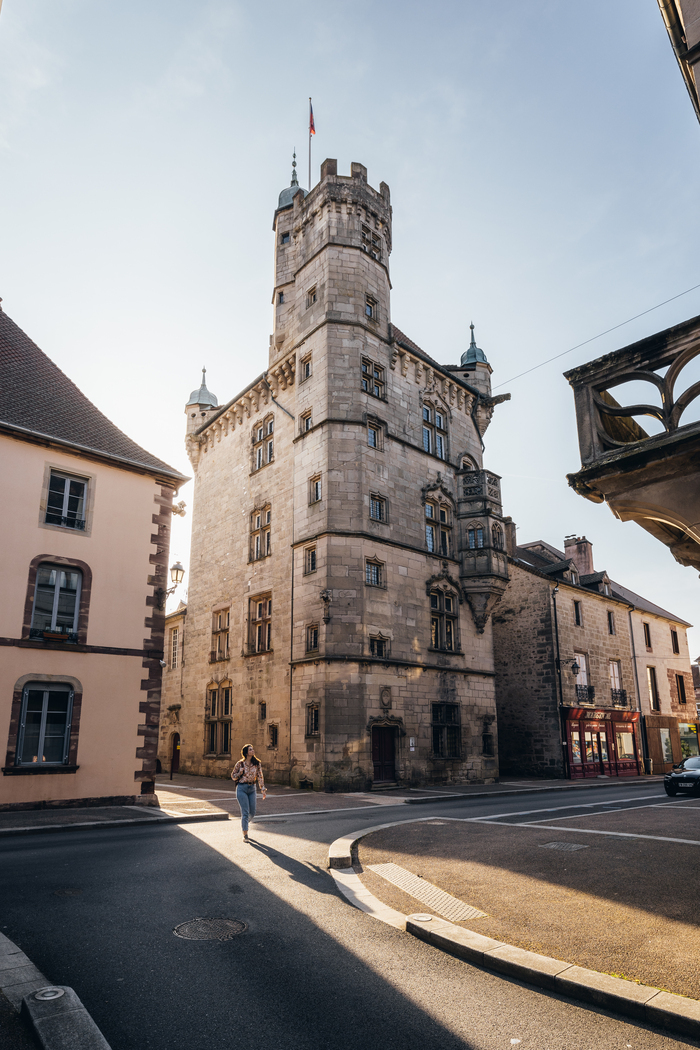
(80, 523)
(63, 569)
(174, 647)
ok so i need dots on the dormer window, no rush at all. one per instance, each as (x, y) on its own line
(574, 577)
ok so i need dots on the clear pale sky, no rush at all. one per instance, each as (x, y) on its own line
(542, 157)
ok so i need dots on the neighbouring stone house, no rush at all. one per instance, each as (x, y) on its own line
(84, 564)
(347, 545)
(591, 678)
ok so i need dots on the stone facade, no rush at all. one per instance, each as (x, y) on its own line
(571, 679)
(347, 549)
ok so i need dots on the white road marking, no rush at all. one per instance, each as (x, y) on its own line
(556, 809)
(592, 831)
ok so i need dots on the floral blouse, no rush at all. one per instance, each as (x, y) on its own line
(248, 773)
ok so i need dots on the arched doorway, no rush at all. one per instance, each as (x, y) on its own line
(175, 755)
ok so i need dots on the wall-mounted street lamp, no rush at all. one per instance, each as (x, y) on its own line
(575, 669)
(177, 575)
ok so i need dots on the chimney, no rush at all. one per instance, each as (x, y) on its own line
(580, 550)
(511, 538)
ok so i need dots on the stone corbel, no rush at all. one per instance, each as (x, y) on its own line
(419, 370)
(395, 355)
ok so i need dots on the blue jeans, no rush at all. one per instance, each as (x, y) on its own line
(246, 796)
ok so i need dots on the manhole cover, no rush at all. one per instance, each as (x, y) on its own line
(210, 929)
(569, 846)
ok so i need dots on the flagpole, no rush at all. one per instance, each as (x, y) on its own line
(309, 143)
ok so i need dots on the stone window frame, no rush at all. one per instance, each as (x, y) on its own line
(371, 308)
(442, 725)
(83, 601)
(438, 523)
(218, 718)
(220, 633)
(310, 560)
(262, 711)
(312, 637)
(262, 441)
(260, 533)
(475, 536)
(285, 237)
(379, 645)
(372, 564)
(263, 622)
(646, 627)
(441, 616)
(675, 642)
(273, 736)
(435, 432)
(611, 621)
(372, 384)
(71, 766)
(681, 691)
(311, 296)
(306, 421)
(90, 480)
(371, 242)
(306, 368)
(578, 612)
(313, 720)
(383, 504)
(653, 688)
(174, 648)
(375, 433)
(315, 489)
(497, 537)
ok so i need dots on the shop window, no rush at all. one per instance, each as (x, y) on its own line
(446, 730)
(624, 738)
(666, 746)
(688, 732)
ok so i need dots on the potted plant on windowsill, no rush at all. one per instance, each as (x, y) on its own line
(56, 636)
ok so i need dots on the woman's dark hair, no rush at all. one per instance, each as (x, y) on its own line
(244, 752)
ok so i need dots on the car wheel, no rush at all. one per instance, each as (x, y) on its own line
(671, 791)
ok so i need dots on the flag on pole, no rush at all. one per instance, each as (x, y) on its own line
(312, 126)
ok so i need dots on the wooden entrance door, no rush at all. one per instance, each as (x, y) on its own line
(175, 758)
(383, 753)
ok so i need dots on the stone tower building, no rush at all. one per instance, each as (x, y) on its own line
(347, 543)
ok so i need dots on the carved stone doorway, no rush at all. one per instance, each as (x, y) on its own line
(384, 754)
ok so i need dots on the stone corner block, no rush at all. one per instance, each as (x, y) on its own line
(526, 966)
(612, 992)
(675, 1012)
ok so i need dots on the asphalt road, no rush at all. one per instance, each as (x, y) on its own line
(96, 910)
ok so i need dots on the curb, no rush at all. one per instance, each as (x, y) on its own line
(618, 782)
(130, 822)
(60, 1022)
(675, 1013)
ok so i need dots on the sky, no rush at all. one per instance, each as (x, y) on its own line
(542, 159)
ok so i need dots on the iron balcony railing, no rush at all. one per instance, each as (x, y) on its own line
(585, 694)
(619, 697)
(55, 635)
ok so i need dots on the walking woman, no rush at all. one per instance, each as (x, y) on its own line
(248, 775)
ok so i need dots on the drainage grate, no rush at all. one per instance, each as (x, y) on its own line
(569, 846)
(443, 903)
(210, 929)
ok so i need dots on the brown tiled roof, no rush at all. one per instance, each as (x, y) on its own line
(402, 339)
(37, 398)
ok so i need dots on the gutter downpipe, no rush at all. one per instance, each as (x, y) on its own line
(642, 720)
(565, 749)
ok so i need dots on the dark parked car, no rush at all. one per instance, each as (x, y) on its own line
(684, 778)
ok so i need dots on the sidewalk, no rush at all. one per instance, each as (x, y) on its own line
(610, 891)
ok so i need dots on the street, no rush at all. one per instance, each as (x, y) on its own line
(96, 910)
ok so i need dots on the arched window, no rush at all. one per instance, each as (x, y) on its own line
(435, 430)
(475, 536)
(56, 602)
(497, 535)
(443, 620)
(263, 442)
(438, 527)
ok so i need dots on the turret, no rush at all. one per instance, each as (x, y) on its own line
(200, 406)
(475, 367)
